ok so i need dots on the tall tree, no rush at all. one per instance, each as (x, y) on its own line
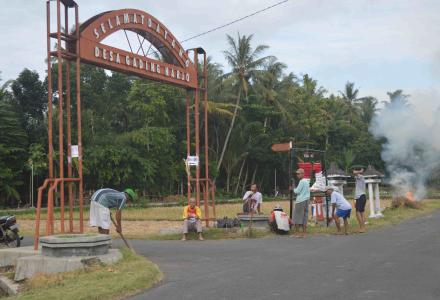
(245, 63)
(267, 84)
(397, 96)
(29, 96)
(350, 96)
(12, 152)
(368, 109)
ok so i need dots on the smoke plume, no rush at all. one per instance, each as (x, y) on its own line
(412, 148)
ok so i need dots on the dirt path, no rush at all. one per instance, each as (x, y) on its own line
(138, 229)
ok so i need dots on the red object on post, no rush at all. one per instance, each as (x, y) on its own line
(319, 209)
(317, 167)
(307, 167)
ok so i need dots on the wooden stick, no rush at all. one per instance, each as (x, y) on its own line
(122, 236)
(251, 219)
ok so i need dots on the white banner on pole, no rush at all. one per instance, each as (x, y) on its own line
(74, 151)
(193, 160)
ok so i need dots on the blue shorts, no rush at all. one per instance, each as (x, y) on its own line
(343, 213)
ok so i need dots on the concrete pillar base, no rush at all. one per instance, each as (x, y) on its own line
(28, 266)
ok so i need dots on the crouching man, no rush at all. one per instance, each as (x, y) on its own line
(100, 204)
(279, 221)
(192, 216)
(342, 207)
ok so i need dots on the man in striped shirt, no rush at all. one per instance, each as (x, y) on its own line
(100, 204)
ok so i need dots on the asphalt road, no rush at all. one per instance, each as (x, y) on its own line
(400, 262)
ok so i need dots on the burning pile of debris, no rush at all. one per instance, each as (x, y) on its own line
(407, 201)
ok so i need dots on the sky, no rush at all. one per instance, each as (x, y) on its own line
(380, 45)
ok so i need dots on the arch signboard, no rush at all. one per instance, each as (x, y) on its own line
(176, 67)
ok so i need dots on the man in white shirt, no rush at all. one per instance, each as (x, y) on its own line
(252, 200)
(279, 221)
(360, 197)
(342, 207)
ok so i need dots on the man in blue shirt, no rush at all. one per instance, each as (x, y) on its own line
(300, 216)
(100, 204)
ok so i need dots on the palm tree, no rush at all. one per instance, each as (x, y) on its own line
(349, 95)
(397, 97)
(307, 109)
(267, 84)
(368, 108)
(348, 158)
(245, 62)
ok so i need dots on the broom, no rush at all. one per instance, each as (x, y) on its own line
(122, 236)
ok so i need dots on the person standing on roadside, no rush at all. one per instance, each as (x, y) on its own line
(300, 216)
(360, 197)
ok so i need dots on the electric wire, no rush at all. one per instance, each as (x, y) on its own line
(228, 24)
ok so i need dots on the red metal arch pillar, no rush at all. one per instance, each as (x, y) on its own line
(202, 87)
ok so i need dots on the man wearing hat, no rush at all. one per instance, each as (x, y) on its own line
(279, 221)
(342, 207)
(302, 192)
(100, 204)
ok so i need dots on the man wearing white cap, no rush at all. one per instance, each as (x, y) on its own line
(342, 207)
(300, 216)
(279, 221)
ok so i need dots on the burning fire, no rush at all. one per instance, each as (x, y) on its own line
(407, 201)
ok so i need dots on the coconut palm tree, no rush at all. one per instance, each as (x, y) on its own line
(245, 62)
(368, 108)
(350, 96)
(397, 97)
(350, 93)
(267, 84)
(347, 159)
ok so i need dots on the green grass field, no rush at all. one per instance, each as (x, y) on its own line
(145, 223)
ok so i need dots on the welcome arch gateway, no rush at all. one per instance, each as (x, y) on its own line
(87, 44)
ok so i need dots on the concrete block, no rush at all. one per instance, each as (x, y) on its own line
(8, 286)
(29, 266)
(75, 245)
(258, 221)
(8, 256)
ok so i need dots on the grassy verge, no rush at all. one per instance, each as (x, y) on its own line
(215, 234)
(127, 277)
(391, 217)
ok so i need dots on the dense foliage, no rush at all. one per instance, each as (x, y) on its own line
(134, 130)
